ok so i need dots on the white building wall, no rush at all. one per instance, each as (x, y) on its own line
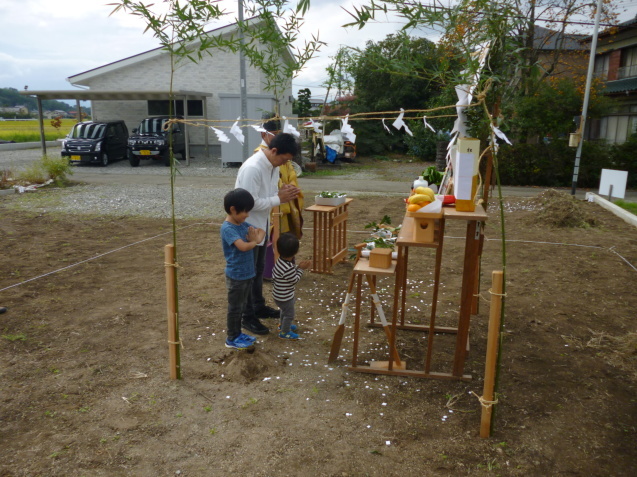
(217, 73)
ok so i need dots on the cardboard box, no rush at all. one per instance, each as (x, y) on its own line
(380, 257)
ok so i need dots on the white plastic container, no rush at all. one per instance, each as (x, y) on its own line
(333, 201)
(420, 182)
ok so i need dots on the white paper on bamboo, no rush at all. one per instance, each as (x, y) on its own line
(463, 175)
(347, 130)
(236, 131)
(288, 128)
(221, 136)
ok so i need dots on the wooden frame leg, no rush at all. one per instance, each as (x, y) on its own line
(357, 319)
(472, 246)
(434, 302)
(393, 352)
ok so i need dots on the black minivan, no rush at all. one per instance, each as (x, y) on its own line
(151, 140)
(96, 142)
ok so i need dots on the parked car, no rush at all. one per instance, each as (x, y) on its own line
(151, 140)
(96, 142)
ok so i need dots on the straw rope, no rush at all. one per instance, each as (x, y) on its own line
(180, 342)
(365, 116)
(483, 402)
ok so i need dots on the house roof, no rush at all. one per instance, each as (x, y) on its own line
(547, 39)
(80, 78)
(90, 95)
(628, 24)
(625, 85)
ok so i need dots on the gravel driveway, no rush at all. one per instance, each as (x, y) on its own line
(122, 190)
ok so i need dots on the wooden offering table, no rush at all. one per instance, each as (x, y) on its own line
(330, 235)
(406, 239)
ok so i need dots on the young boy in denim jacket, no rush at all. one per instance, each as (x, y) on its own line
(238, 238)
(285, 276)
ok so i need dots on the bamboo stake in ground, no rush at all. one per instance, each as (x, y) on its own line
(173, 333)
(492, 353)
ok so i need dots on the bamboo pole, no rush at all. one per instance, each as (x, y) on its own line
(173, 333)
(487, 400)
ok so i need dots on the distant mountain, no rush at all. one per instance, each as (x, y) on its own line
(9, 97)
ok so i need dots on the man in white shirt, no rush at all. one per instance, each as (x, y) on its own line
(259, 175)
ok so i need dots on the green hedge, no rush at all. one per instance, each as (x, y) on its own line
(551, 165)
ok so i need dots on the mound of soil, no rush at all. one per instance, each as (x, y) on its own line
(249, 365)
(560, 209)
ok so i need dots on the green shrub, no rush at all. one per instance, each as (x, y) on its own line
(624, 158)
(32, 174)
(551, 165)
(423, 143)
(56, 168)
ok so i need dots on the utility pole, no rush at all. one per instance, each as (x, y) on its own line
(243, 85)
(587, 94)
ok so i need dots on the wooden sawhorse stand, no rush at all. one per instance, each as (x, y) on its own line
(330, 235)
(363, 268)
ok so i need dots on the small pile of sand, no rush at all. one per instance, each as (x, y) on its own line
(244, 366)
(560, 209)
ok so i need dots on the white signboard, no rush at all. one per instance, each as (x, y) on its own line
(616, 179)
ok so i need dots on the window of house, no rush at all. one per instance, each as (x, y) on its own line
(616, 129)
(601, 66)
(161, 107)
(628, 63)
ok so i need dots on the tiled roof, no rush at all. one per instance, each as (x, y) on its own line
(622, 85)
(629, 24)
(546, 39)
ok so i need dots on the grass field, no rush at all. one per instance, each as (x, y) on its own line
(29, 131)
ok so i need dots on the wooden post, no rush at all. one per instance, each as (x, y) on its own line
(173, 331)
(492, 353)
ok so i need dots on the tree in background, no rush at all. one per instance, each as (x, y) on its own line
(397, 72)
(549, 111)
(339, 76)
(513, 67)
(302, 105)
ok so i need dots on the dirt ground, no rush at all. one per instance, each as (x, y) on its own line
(84, 357)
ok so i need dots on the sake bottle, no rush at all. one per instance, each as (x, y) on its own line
(420, 182)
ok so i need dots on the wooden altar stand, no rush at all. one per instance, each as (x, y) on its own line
(470, 276)
(330, 235)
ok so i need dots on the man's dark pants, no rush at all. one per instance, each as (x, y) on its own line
(255, 300)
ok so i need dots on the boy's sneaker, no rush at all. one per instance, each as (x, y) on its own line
(267, 312)
(292, 327)
(238, 343)
(248, 338)
(255, 326)
(290, 335)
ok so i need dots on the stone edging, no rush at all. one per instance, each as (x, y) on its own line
(15, 146)
(615, 209)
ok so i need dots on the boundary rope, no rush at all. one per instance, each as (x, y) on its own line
(97, 256)
(610, 249)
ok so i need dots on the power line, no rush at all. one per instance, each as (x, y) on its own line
(520, 17)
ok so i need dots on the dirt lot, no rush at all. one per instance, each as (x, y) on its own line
(84, 358)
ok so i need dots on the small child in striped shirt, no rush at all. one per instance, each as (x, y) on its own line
(285, 276)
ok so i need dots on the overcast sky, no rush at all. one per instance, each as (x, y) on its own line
(43, 42)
